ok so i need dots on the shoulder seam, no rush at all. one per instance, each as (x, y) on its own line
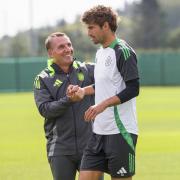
(125, 49)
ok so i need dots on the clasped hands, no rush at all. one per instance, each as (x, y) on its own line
(75, 93)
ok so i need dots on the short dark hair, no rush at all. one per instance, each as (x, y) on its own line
(49, 38)
(99, 15)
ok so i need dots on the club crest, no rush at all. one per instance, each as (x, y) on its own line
(108, 61)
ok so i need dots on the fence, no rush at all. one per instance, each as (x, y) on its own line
(156, 69)
(159, 69)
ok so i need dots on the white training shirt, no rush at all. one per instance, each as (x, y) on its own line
(115, 65)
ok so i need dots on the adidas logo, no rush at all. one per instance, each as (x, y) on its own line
(122, 171)
(57, 83)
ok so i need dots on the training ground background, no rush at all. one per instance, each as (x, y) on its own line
(22, 139)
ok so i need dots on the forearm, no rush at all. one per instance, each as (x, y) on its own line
(89, 90)
(112, 101)
(93, 111)
(131, 91)
(49, 107)
(55, 108)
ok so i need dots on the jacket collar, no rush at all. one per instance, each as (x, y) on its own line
(54, 68)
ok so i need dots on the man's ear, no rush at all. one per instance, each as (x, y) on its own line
(106, 25)
(50, 53)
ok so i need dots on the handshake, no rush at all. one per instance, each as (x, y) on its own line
(75, 93)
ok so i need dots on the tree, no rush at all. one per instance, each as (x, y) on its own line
(19, 46)
(173, 39)
(149, 27)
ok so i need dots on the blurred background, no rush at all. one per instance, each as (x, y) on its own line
(151, 27)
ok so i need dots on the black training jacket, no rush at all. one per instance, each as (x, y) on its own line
(66, 131)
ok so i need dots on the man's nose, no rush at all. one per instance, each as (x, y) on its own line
(68, 48)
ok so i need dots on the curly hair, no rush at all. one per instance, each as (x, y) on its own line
(99, 15)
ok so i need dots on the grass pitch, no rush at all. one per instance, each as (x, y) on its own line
(22, 145)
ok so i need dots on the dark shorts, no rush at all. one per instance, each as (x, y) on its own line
(110, 154)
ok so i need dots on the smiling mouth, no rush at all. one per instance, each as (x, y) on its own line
(92, 38)
(68, 55)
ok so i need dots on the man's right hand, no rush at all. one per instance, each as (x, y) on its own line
(75, 93)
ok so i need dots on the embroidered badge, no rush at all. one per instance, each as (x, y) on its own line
(108, 61)
(80, 76)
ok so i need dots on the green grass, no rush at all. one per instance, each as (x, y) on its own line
(22, 140)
